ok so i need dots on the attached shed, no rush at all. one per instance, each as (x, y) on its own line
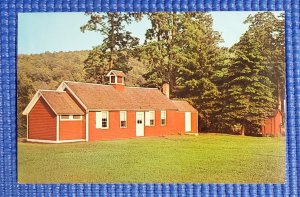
(273, 125)
(186, 117)
(53, 117)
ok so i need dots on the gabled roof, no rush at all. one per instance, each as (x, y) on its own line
(106, 97)
(117, 73)
(184, 106)
(59, 101)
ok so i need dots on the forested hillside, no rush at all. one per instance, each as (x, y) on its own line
(234, 89)
(48, 70)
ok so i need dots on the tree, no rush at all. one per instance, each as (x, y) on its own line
(249, 90)
(198, 60)
(172, 50)
(114, 52)
(25, 92)
(269, 33)
(160, 49)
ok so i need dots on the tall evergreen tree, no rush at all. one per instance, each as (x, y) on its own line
(249, 90)
(199, 57)
(268, 31)
(114, 52)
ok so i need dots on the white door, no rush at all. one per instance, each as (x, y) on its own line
(188, 121)
(139, 123)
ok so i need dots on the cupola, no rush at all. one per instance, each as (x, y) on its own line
(117, 79)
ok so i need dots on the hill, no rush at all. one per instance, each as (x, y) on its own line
(47, 70)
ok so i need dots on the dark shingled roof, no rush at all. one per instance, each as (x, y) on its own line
(106, 97)
(61, 102)
(184, 106)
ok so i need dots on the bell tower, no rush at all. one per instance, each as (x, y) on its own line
(117, 79)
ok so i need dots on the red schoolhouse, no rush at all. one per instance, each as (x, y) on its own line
(86, 112)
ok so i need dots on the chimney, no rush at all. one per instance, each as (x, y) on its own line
(166, 89)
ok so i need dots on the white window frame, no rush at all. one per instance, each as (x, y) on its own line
(165, 112)
(99, 118)
(70, 118)
(123, 120)
(148, 118)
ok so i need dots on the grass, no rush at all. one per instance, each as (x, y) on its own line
(207, 158)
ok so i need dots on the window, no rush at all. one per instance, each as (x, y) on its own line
(163, 118)
(112, 79)
(123, 119)
(76, 117)
(102, 120)
(71, 117)
(150, 118)
(64, 117)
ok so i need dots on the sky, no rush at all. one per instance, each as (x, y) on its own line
(54, 32)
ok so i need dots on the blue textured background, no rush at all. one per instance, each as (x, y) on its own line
(8, 145)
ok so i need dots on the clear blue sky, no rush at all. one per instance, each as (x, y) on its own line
(40, 32)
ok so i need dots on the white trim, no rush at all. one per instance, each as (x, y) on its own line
(148, 118)
(107, 125)
(187, 121)
(48, 104)
(67, 141)
(98, 119)
(63, 85)
(57, 128)
(33, 101)
(54, 141)
(139, 129)
(124, 120)
(163, 111)
(27, 126)
(87, 126)
(116, 78)
(42, 141)
(71, 118)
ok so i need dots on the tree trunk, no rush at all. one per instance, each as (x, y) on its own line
(243, 130)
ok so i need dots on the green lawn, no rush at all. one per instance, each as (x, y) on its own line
(207, 158)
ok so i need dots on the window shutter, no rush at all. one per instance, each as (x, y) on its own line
(147, 118)
(152, 115)
(98, 120)
(122, 115)
(107, 117)
(163, 114)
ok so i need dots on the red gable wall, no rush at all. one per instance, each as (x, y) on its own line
(272, 126)
(41, 122)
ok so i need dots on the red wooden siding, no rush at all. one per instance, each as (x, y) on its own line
(162, 130)
(114, 131)
(41, 122)
(72, 129)
(175, 125)
(272, 126)
(194, 122)
(120, 79)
